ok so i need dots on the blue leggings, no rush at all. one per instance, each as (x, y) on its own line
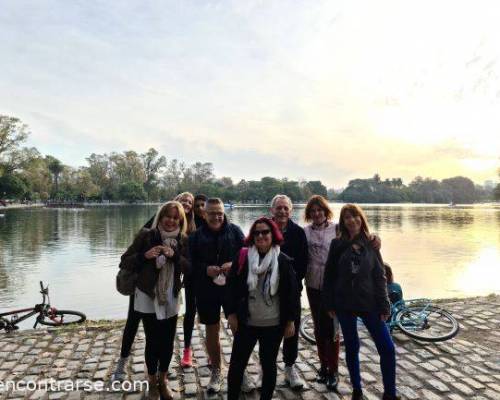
(383, 341)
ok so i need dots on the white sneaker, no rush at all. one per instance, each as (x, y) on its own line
(247, 385)
(215, 382)
(292, 378)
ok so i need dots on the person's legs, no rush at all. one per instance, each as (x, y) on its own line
(129, 332)
(269, 345)
(190, 314)
(291, 346)
(290, 352)
(348, 322)
(243, 344)
(166, 330)
(385, 346)
(314, 298)
(131, 326)
(151, 352)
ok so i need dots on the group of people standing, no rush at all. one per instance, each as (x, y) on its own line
(257, 281)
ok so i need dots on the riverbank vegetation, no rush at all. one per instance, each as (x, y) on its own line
(26, 174)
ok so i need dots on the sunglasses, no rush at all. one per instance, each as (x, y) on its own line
(263, 232)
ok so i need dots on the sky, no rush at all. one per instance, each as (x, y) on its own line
(330, 90)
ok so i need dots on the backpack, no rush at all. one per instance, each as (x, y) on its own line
(126, 281)
(242, 257)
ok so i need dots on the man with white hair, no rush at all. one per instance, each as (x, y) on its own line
(295, 246)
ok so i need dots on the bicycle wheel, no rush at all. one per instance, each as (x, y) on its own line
(426, 322)
(62, 317)
(307, 328)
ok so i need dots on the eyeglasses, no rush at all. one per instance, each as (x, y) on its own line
(263, 232)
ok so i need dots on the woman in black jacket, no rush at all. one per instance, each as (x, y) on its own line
(355, 286)
(262, 303)
(159, 256)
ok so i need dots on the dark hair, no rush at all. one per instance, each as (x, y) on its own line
(321, 202)
(200, 197)
(388, 273)
(355, 211)
(275, 231)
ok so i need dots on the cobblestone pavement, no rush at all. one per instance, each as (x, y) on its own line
(466, 367)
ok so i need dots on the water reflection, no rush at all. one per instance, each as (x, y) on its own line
(436, 251)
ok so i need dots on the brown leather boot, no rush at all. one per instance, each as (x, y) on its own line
(165, 391)
(154, 390)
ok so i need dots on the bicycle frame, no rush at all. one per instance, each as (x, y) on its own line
(10, 324)
(403, 304)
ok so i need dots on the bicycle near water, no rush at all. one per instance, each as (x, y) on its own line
(45, 314)
(418, 318)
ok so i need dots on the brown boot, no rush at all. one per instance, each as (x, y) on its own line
(165, 391)
(154, 390)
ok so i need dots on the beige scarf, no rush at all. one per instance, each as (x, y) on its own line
(166, 266)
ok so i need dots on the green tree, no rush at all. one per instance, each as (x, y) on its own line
(56, 168)
(496, 191)
(460, 189)
(12, 134)
(12, 187)
(131, 192)
(153, 164)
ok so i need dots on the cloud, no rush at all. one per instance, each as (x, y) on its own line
(315, 90)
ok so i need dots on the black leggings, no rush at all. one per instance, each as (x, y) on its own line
(291, 345)
(189, 295)
(160, 336)
(131, 326)
(244, 341)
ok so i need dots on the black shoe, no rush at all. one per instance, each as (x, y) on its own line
(322, 376)
(332, 382)
(388, 397)
(357, 394)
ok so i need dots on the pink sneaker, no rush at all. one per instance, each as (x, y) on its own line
(187, 358)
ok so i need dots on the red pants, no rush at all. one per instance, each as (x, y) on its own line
(328, 346)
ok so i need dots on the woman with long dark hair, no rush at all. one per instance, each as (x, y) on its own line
(262, 304)
(355, 287)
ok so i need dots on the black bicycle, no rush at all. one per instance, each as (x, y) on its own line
(47, 315)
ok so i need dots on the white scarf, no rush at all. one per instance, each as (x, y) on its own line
(270, 261)
(165, 265)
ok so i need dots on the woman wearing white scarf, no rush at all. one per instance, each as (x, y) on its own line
(159, 256)
(261, 305)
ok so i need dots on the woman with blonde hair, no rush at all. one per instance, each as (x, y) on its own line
(187, 201)
(355, 287)
(159, 256)
(320, 232)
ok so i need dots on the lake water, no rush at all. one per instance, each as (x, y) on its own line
(435, 251)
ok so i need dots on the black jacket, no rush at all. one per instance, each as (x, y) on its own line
(206, 248)
(134, 259)
(295, 246)
(346, 290)
(288, 292)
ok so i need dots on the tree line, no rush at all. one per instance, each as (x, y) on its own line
(25, 174)
(456, 190)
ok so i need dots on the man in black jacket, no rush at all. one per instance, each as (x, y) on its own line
(212, 248)
(295, 246)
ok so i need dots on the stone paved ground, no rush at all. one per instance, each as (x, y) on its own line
(466, 367)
